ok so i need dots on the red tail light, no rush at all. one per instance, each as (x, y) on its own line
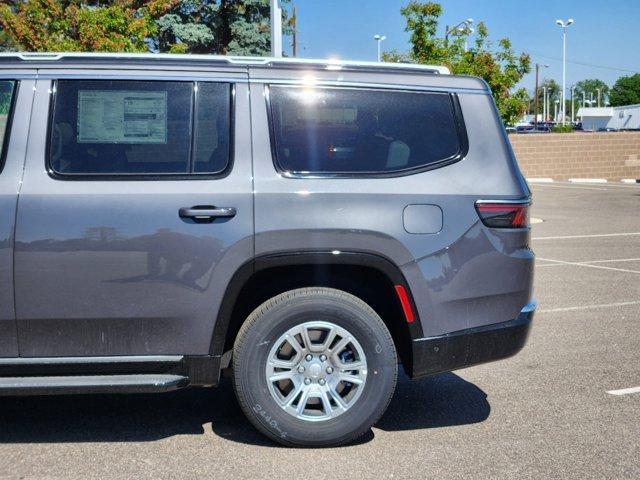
(503, 215)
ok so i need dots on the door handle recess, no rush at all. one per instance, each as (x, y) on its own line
(207, 213)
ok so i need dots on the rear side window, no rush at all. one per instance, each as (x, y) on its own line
(358, 131)
(140, 128)
(7, 93)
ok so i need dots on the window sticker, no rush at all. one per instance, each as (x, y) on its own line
(115, 116)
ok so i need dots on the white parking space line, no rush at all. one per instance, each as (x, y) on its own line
(588, 307)
(624, 391)
(613, 260)
(578, 264)
(598, 235)
(546, 185)
(602, 186)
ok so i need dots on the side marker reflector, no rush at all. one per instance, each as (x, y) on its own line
(406, 304)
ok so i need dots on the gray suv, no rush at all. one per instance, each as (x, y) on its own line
(303, 225)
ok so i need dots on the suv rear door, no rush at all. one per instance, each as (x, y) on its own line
(112, 255)
(16, 95)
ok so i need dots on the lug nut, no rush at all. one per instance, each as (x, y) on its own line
(309, 357)
(329, 370)
(323, 358)
(321, 381)
(300, 369)
(307, 381)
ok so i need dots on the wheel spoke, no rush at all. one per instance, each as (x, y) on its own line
(340, 345)
(326, 404)
(276, 377)
(310, 347)
(331, 335)
(356, 365)
(338, 399)
(345, 377)
(289, 399)
(293, 341)
(303, 401)
(276, 362)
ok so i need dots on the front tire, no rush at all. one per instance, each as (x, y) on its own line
(314, 367)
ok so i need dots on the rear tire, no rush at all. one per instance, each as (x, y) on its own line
(314, 367)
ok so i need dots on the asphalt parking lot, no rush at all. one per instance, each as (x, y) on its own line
(545, 413)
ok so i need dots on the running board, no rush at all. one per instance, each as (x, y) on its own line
(201, 370)
(142, 383)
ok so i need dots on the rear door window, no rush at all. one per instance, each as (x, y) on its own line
(362, 131)
(7, 94)
(140, 128)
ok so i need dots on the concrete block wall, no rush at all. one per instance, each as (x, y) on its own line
(561, 156)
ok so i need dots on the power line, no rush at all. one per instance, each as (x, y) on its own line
(585, 64)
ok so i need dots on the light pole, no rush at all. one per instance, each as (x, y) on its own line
(535, 109)
(469, 31)
(544, 104)
(564, 26)
(379, 39)
(555, 117)
(572, 88)
(276, 28)
(447, 31)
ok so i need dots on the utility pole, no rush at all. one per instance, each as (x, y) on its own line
(276, 28)
(294, 26)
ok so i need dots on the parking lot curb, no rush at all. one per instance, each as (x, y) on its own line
(630, 180)
(588, 180)
(540, 180)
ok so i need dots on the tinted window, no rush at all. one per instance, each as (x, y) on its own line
(7, 91)
(137, 127)
(340, 130)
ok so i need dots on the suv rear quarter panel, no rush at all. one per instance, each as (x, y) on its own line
(453, 273)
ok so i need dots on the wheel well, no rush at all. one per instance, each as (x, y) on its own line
(367, 283)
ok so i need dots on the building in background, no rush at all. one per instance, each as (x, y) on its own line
(616, 118)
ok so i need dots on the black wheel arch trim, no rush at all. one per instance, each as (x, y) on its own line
(294, 258)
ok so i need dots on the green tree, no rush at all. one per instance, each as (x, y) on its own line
(626, 91)
(499, 66)
(589, 88)
(75, 25)
(230, 27)
(6, 89)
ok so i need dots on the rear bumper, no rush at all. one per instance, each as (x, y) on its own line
(464, 348)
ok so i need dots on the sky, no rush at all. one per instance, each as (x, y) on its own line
(603, 42)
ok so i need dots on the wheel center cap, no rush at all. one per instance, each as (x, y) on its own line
(315, 370)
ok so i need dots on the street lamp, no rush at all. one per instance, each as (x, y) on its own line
(276, 28)
(469, 31)
(564, 26)
(447, 31)
(379, 39)
(535, 112)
